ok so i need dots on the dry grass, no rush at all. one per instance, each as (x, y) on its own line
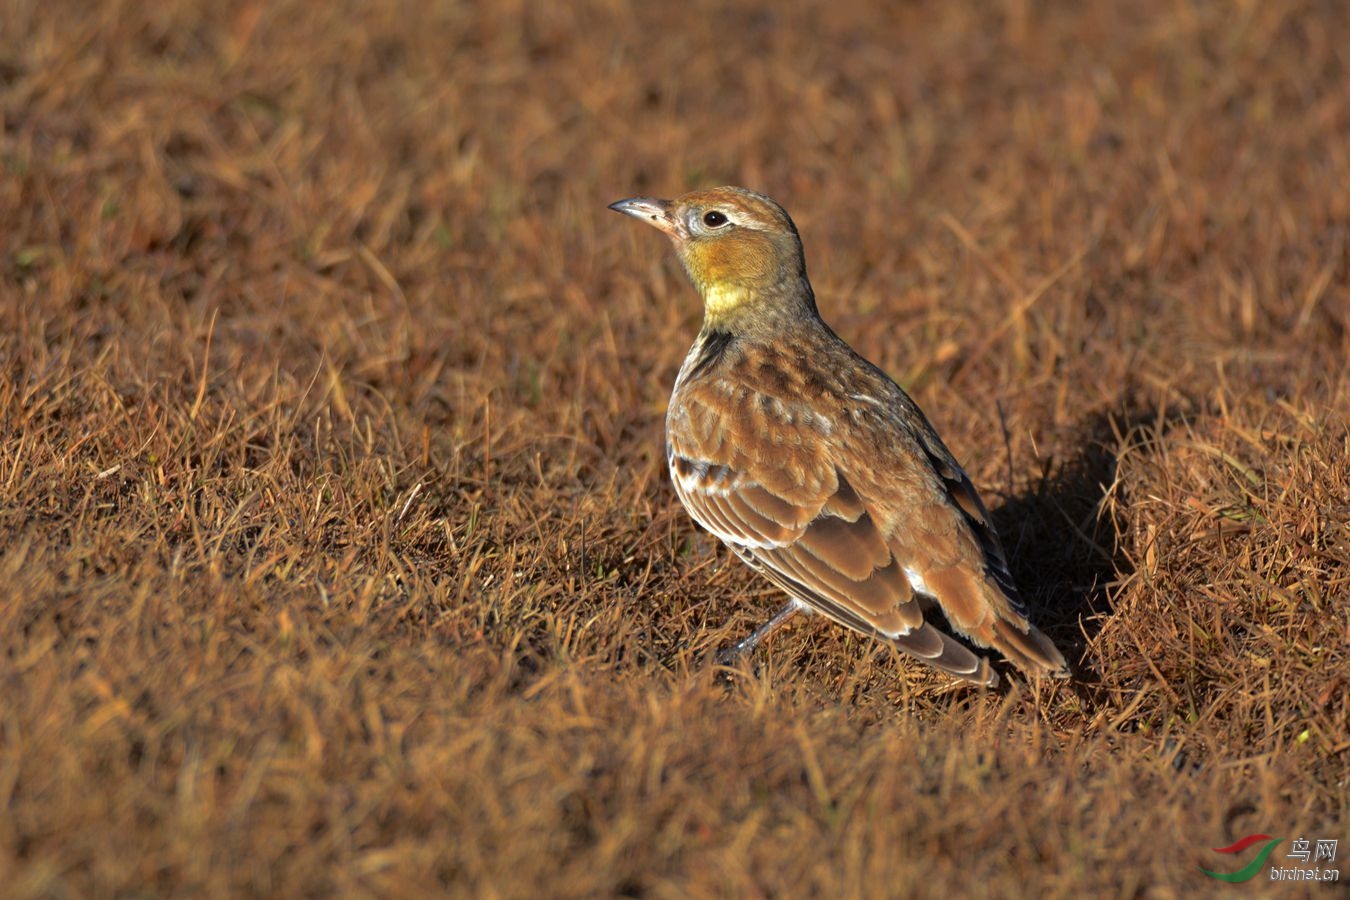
(339, 553)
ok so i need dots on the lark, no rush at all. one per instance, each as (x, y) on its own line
(814, 467)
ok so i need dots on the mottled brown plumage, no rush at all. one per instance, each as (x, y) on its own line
(814, 466)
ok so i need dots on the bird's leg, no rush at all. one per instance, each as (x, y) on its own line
(729, 656)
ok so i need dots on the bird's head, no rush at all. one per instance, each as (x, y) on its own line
(740, 249)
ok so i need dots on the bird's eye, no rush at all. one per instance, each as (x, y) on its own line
(714, 219)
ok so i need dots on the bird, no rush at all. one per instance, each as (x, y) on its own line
(815, 468)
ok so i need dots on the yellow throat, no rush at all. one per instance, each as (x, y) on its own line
(720, 299)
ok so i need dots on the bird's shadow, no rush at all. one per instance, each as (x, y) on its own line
(1063, 546)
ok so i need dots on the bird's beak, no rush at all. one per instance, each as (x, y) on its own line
(652, 211)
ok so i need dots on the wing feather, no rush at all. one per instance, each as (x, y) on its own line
(961, 492)
(828, 553)
(926, 642)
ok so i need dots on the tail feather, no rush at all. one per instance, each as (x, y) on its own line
(1030, 650)
(952, 657)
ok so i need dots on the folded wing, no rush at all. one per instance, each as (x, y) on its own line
(815, 538)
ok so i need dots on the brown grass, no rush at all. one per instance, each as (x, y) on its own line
(338, 549)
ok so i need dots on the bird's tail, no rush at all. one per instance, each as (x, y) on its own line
(1029, 649)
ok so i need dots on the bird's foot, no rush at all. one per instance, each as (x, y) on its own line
(729, 657)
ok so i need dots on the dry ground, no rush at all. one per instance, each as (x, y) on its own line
(337, 550)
